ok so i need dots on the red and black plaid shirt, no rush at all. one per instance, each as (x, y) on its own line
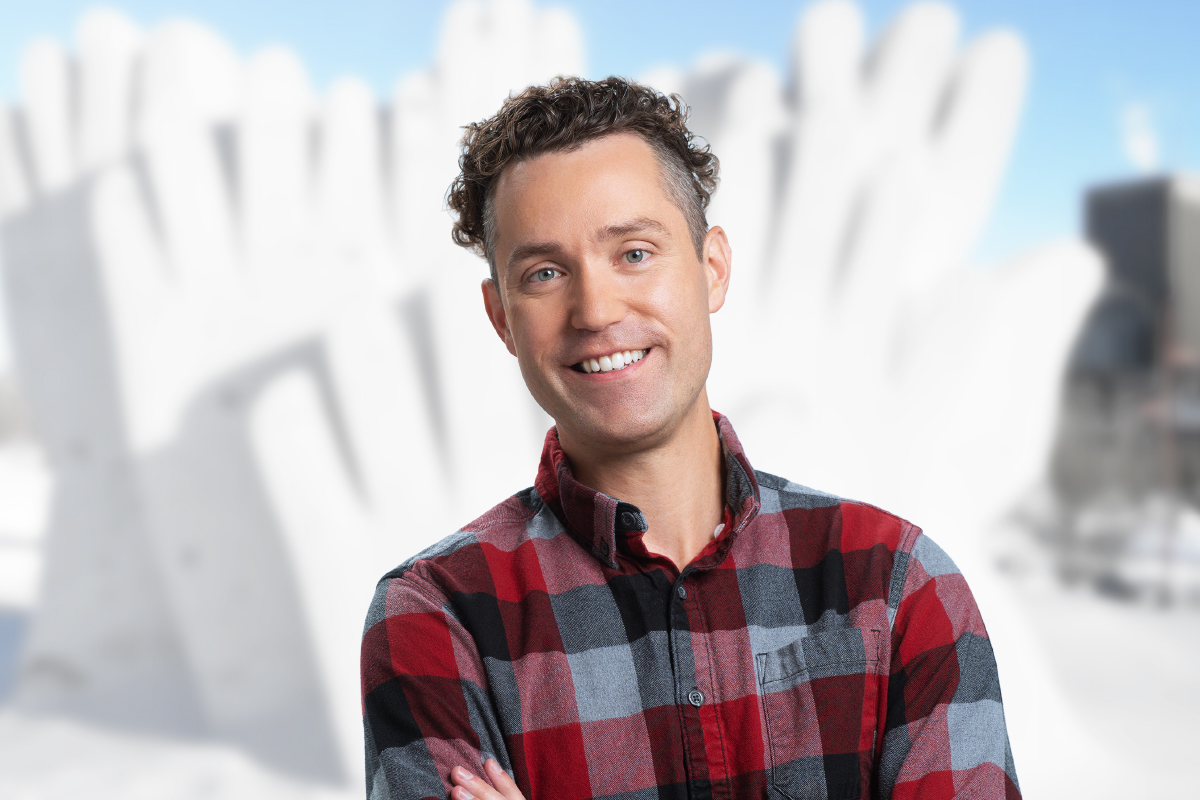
(817, 648)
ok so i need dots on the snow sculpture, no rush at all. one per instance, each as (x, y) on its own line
(263, 376)
(885, 164)
(103, 643)
(246, 319)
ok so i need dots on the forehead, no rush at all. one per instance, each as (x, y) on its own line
(556, 196)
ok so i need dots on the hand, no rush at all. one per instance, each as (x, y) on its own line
(858, 351)
(194, 305)
(269, 350)
(469, 787)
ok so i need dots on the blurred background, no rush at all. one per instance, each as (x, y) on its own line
(243, 372)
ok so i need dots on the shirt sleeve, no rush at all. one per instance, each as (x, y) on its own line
(945, 734)
(425, 699)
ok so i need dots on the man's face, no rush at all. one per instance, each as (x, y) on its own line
(594, 262)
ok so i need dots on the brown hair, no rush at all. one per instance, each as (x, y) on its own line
(562, 116)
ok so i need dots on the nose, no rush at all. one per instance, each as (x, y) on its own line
(597, 299)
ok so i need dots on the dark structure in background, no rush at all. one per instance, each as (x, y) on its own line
(1126, 467)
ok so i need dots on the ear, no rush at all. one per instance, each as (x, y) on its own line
(496, 314)
(718, 261)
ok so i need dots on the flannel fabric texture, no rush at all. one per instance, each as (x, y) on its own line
(817, 648)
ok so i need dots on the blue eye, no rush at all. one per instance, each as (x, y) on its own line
(635, 256)
(543, 275)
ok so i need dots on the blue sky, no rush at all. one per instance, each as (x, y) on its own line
(1095, 64)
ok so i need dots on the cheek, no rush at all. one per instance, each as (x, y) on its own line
(681, 305)
(534, 339)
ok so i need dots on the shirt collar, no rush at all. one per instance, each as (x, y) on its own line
(602, 524)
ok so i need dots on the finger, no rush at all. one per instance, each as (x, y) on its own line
(666, 78)
(747, 117)
(827, 51)
(462, 39)
(819, 182)
(468, 786)
(907, 74)
(46, 92)
(417, 185)
(1051, 291)
(131, 263)
(14, 173)
(865, 298)
(560, 46)
(1006, 327)
(969, 154)
(380, 387)
(189, 88)
(706, 90)
(509, 29)
(294, 434)
(189, 72)
(501, 780)
(419, 176)
(349, 187)
(459, 333)
(274, 144)
(108, 44)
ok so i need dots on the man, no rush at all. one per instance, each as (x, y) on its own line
(653, 618)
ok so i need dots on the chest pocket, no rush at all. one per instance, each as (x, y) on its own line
(819, 701)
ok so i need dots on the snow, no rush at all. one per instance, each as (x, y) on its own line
(47, 758)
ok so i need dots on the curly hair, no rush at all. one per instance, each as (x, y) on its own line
(563, 116)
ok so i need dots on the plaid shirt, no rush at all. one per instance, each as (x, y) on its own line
(817, 648)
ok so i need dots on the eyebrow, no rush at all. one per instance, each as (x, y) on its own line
(615, 231)
(524, 251)
(638, 225)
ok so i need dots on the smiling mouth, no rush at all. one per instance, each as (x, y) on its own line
(610, 363)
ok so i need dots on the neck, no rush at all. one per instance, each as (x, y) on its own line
(678, 484)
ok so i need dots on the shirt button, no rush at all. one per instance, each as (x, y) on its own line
(682, 592)
(696, 697)
(627, 519)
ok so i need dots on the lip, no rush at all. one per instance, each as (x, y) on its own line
(614, 374)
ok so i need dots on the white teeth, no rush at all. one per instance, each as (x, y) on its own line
(616, 361)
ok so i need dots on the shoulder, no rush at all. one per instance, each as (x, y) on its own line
(846, 524)
(463, 562)
(879, 555)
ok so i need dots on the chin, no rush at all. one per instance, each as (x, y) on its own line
(622, 430)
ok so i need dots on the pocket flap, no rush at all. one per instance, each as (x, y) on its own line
(820, 655)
